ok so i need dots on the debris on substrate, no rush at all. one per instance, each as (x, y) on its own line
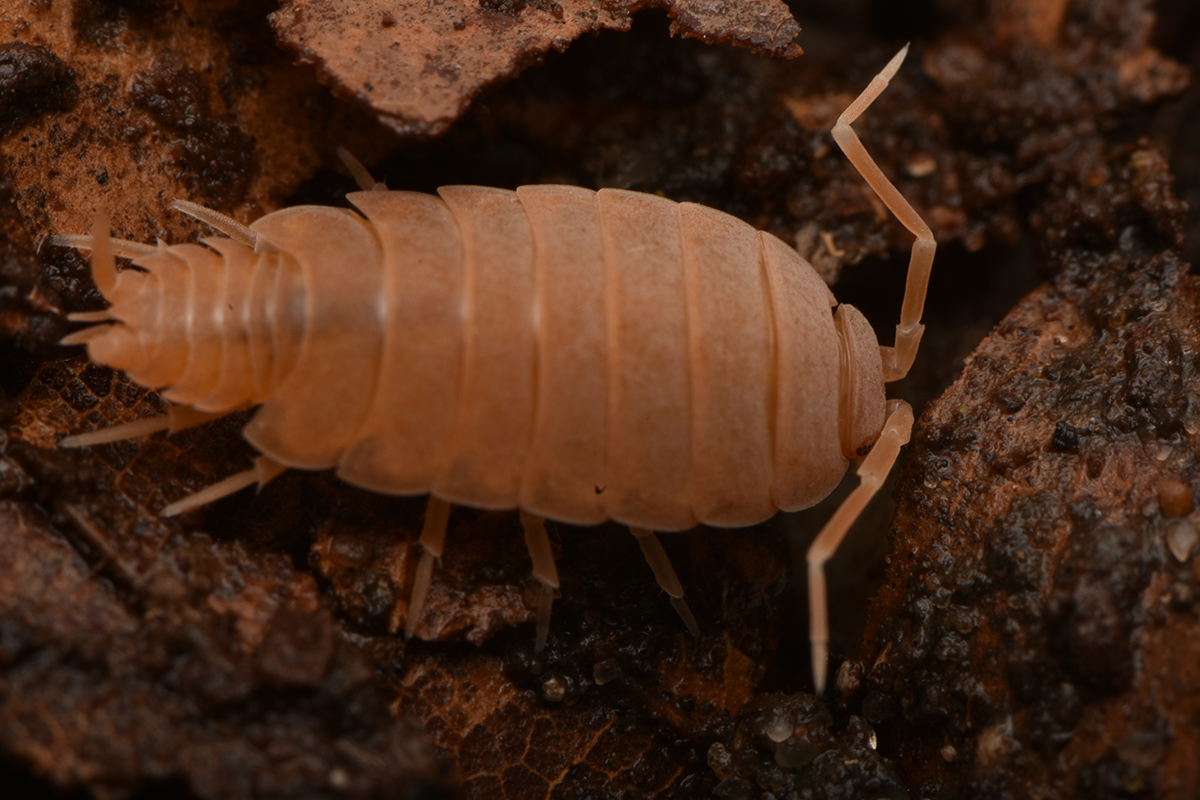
(789, 746)
(1038, 625)
(1002, 112)
(418, 67)
(196, 664)
(137, 104)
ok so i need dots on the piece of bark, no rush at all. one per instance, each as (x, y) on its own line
(1037, 616)
(692, 122)
(197, 664)
(788, 746)
(418, 64)
(141, 104)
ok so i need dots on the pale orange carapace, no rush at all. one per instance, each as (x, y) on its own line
(579, 355)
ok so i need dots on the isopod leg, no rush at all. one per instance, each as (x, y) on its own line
(664, 573)
(117, 433)
(896, 360)
(176, 419)
(544, 570)
(218, 221)
(871, 473)
(361, 176)
(263, 471)
(113, 246)
(433, 540)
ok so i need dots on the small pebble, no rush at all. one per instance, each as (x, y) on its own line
(553, 690)
(1174, 498)
(605, 671)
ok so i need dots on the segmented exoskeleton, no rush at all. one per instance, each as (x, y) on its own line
(579, 355)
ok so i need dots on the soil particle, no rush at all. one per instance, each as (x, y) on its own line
(788, 746)
(33, 81)
(262, 626)
(1043, 518)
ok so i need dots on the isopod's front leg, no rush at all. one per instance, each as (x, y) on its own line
(544, 570)
(871, 473)
(664, 573)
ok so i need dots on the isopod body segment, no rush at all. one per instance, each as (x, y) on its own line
(580, 355)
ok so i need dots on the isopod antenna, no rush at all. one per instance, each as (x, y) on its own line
(897, 360)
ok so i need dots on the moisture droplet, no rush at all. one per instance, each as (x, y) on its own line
(339, 779)
(949, 753)
(1181, 538)
(779, 728)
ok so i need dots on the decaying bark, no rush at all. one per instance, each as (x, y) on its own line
(1042, 575)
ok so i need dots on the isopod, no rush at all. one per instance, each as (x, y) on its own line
(581, 356)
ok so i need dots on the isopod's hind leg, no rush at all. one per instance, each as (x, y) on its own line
(664, 573)
(176, 419)
(432, 541)
(542, 554)
(116, 433)
(899, 359)
(871, 474)
(263, 471)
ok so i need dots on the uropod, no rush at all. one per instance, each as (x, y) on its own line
(580, 356)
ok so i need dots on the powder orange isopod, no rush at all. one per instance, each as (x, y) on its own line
(579, 355)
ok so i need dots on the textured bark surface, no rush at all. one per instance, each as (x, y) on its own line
(418, 64)
(1038, 620)
(247, 649)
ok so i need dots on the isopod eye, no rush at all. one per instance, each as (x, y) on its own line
(118, 347)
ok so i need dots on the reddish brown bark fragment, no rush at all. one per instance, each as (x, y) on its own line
(418, 64)
(1039, 605)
